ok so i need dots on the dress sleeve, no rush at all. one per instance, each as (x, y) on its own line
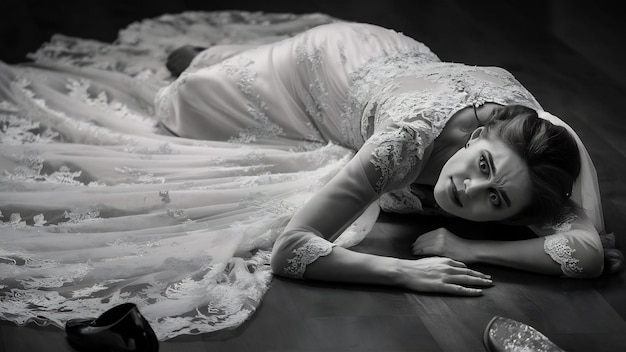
(388, 160)
(574, 244)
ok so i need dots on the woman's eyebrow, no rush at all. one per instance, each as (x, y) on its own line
(492, 166)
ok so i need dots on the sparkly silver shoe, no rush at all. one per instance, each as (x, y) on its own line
(504, 334)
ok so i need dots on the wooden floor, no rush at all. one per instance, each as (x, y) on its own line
(570, 54)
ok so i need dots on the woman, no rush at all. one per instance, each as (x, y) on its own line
(408, 115)
(99, 206)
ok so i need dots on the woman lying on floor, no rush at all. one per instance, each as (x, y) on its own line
(285, 146)
(458, 140)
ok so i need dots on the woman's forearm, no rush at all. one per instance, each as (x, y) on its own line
(303, 256)
(344, 265)
(528, 255)
(574, 253)
(435, 274)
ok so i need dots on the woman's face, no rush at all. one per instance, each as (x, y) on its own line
(485, 181)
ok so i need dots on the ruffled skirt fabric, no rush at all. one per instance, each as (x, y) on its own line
(100, 206)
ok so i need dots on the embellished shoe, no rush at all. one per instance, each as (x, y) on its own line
(120, 329)
(504, 334)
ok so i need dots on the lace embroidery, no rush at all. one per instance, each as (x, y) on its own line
(67, 126)
(50, 273)
(79, 215)
(316, 99)
(30, 171)
(238, 67)
(162, 106)
(401, 201)
(15, 221)
(565, 221)
(373, 84)
(306, 254)
(396, 155)
(557, 246)
(80, 89)
(15, 130)
(139, 176)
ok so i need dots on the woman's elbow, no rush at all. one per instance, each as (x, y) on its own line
(592, 271)
(279, 257)
(594, 261)
(590, 266)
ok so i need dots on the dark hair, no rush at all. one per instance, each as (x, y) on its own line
(550, 153)
(553, 161)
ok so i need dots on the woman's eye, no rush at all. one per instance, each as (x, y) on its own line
(482, 164)
(494, 198)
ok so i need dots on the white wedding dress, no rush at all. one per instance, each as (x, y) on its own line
(102, 205)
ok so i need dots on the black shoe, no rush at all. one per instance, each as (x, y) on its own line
(120, 329)
(504, 334)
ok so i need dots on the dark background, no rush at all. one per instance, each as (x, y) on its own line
(25, 24)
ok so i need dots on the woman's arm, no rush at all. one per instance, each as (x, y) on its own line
(303, 253)
(573, 249)
(304, 249)
(435, 274)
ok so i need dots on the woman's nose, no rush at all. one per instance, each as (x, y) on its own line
(473, 187)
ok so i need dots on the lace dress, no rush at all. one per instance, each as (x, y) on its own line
(101, 206)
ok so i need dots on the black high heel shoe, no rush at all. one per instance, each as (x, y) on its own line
(120, 329)
(504, 334)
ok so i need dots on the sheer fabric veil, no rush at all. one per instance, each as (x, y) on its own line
(586, 191)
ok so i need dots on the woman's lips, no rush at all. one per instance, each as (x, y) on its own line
(453, 194)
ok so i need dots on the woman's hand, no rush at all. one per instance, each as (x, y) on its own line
(444, 243)
(442, 275)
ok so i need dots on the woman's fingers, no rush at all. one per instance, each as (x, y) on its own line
(422, 245)
(458, 285)
(454, 263)
(461, 290)
(465, 271)
(469, 280)
(417, 248)
(445, 275)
